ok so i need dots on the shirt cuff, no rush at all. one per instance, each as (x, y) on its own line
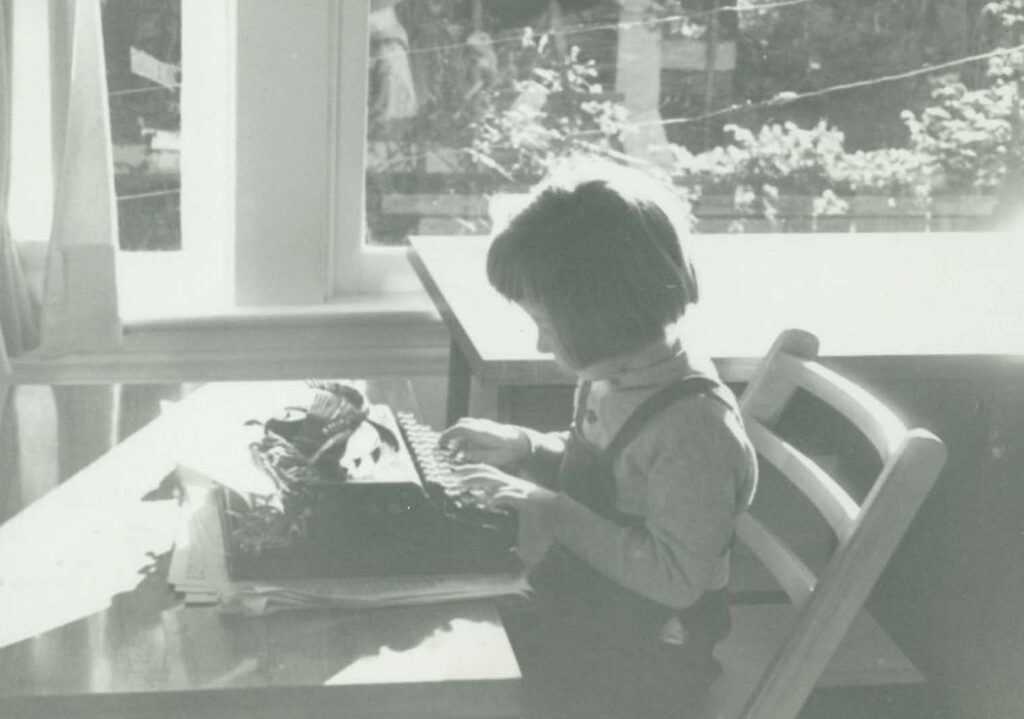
(545, 455)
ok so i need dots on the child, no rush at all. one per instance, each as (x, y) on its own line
(639, 499)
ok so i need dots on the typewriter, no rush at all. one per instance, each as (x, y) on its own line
(383, 502)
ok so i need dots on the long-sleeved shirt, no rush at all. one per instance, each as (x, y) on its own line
(687, 474)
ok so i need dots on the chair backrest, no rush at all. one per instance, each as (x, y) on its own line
(866, 533)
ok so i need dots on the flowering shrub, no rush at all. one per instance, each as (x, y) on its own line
(558, 110)
(755, 168)
(779, 155)
(966, 138)
(800, 161)
(890, 171)
(970, 139)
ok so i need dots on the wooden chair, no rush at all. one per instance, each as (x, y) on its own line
(777, 653)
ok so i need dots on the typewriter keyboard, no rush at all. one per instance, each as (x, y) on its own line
(436, 470)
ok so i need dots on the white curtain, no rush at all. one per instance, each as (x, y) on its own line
(80, 298)
(19, 328)
(79, 308)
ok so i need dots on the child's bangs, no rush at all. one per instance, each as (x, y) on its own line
(520, 263)
(506, 269)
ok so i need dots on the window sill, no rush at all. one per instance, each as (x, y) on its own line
(344, 309)
(351, 336)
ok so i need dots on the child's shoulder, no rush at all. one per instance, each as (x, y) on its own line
(703, 410)
(703, 421)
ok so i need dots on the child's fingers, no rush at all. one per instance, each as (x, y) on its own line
(482, 484)
(460, 444)
(465, 430)
(455, 433)
(478, 468)
(457, 450)
(464, 454)
(505, 499)
(460, 448)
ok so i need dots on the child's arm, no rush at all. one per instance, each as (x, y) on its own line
(693, 459)
(694, 464)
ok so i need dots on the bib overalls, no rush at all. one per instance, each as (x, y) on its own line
(589, 647)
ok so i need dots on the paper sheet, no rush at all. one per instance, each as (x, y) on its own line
(198, 568)
(219, 452)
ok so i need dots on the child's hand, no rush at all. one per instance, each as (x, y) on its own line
(481, 440)
(505, 490)
(535, 505)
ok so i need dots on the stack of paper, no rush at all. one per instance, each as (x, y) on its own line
(199, 571)
(356, 593)
(198, 568)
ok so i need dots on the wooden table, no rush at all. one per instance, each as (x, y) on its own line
(919, 302)
(89, 626)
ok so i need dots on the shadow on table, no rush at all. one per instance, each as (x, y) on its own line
(147, 640)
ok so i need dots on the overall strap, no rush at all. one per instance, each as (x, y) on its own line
(696, 384)
(659, 401)
(581, 405)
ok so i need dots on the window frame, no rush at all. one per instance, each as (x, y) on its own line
(357, 266)
(326, 259)
(197, 278)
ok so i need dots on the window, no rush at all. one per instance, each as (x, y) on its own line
(775, 116)
(315, 137)
(142, 44)
(171, 151)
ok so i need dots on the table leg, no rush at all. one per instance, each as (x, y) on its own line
(85, 424)
(491, 401)
(458, 386)
(504, 404)
(140, 405)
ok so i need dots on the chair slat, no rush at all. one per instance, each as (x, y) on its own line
(838, 508)
(796, 579)
(874, 419)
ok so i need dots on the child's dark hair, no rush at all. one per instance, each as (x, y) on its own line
(600, 249)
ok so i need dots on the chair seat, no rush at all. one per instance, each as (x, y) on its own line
(867, 655)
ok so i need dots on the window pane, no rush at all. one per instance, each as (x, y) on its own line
(143, 51)
(31, 193)
(773, 115)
